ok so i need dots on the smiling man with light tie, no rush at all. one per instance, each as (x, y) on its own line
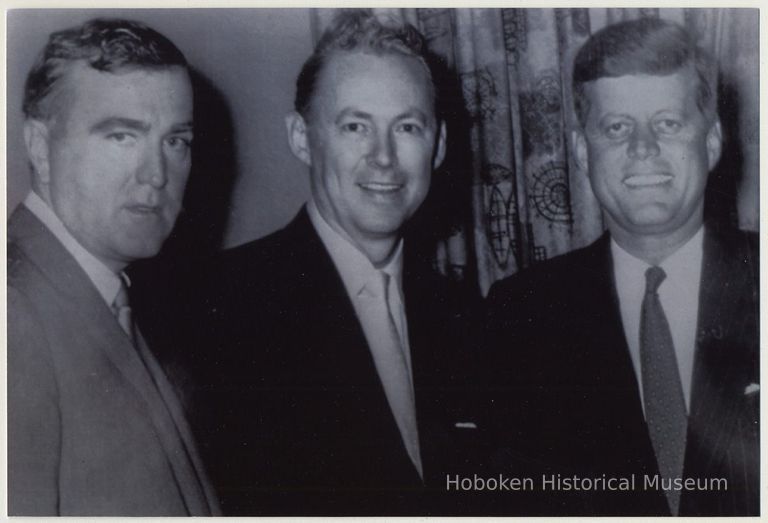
(637, 356)
(338, 344)
(94, 427)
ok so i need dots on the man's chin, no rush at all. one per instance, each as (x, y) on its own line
(140, 250)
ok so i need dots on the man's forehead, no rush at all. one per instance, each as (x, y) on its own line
(632, 91)
(86, 94)
(339, 77)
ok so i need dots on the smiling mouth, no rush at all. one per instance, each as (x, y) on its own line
(145, 210)
(647, 180)
(381, 188)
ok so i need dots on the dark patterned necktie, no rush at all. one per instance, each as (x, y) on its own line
(662, 389)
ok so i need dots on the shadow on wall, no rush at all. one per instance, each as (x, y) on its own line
(721, 196)
(158, 283)
(448, 206)
(200, 228)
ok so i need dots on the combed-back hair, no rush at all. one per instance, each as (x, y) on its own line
(649, 46)
(105, 45)
(360, 30)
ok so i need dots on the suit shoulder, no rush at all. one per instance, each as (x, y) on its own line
(740, 250)
(272, 249)
(251, 272)
(24, 276)
(546, 277)
(29, 353)
(19, 265)
(746, 245)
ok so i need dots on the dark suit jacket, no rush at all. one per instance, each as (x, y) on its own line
(291, 411)
(565, 398)
(93, 428)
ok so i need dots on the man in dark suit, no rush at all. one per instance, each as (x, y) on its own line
(94, 427)
(339, 389)
(637, 356)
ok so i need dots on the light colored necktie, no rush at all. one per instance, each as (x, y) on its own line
(391, 365)
(121, 308)
(662, 389)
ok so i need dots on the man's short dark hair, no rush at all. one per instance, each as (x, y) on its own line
(105, 45)
(649, 46)
(360, 30)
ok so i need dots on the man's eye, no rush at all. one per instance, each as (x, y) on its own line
(410, 128)
(668, 126)
(120, 137)
(617, 130)
(179, 142)
(353, 127)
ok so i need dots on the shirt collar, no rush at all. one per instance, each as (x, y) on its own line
(676, 266)
(686, 260)
(106, 282)
(355, 268)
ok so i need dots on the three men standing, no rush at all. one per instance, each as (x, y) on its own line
(332, 377)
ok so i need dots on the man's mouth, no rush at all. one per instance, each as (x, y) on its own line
(144, 210)
(379, 187)
(647, 180)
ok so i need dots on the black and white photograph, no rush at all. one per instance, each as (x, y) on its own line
(383, 261)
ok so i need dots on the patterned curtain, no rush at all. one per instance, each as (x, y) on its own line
(529, 201)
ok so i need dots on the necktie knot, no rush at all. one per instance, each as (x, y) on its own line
(121, 299)
(653, 278)
(121, 308)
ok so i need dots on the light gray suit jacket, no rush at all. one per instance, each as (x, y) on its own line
(94, 427)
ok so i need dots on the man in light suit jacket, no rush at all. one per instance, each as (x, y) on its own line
(637, 356)
(338, 382)
(94, 427)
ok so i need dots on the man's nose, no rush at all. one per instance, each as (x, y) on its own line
(643, 143)
(383, 153)
(153, 170)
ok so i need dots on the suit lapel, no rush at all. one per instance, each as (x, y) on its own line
(337, 323)
(64, 273)
(616, 374)
(97, 323)
(176, 435)
(722, 420)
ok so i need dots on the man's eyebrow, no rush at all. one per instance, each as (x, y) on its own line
(109, 124)
(349, 111)
(183, 127)
(414, 113)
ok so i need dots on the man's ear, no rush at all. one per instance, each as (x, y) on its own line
(440, 152)
(714, 143)
(298, 139)
(36, 138)
(580, 148)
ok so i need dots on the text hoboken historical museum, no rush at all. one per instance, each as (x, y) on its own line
(558, 482)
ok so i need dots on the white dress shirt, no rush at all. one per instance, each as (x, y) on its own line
(105, 280)
(356, 271)
(679, 296)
